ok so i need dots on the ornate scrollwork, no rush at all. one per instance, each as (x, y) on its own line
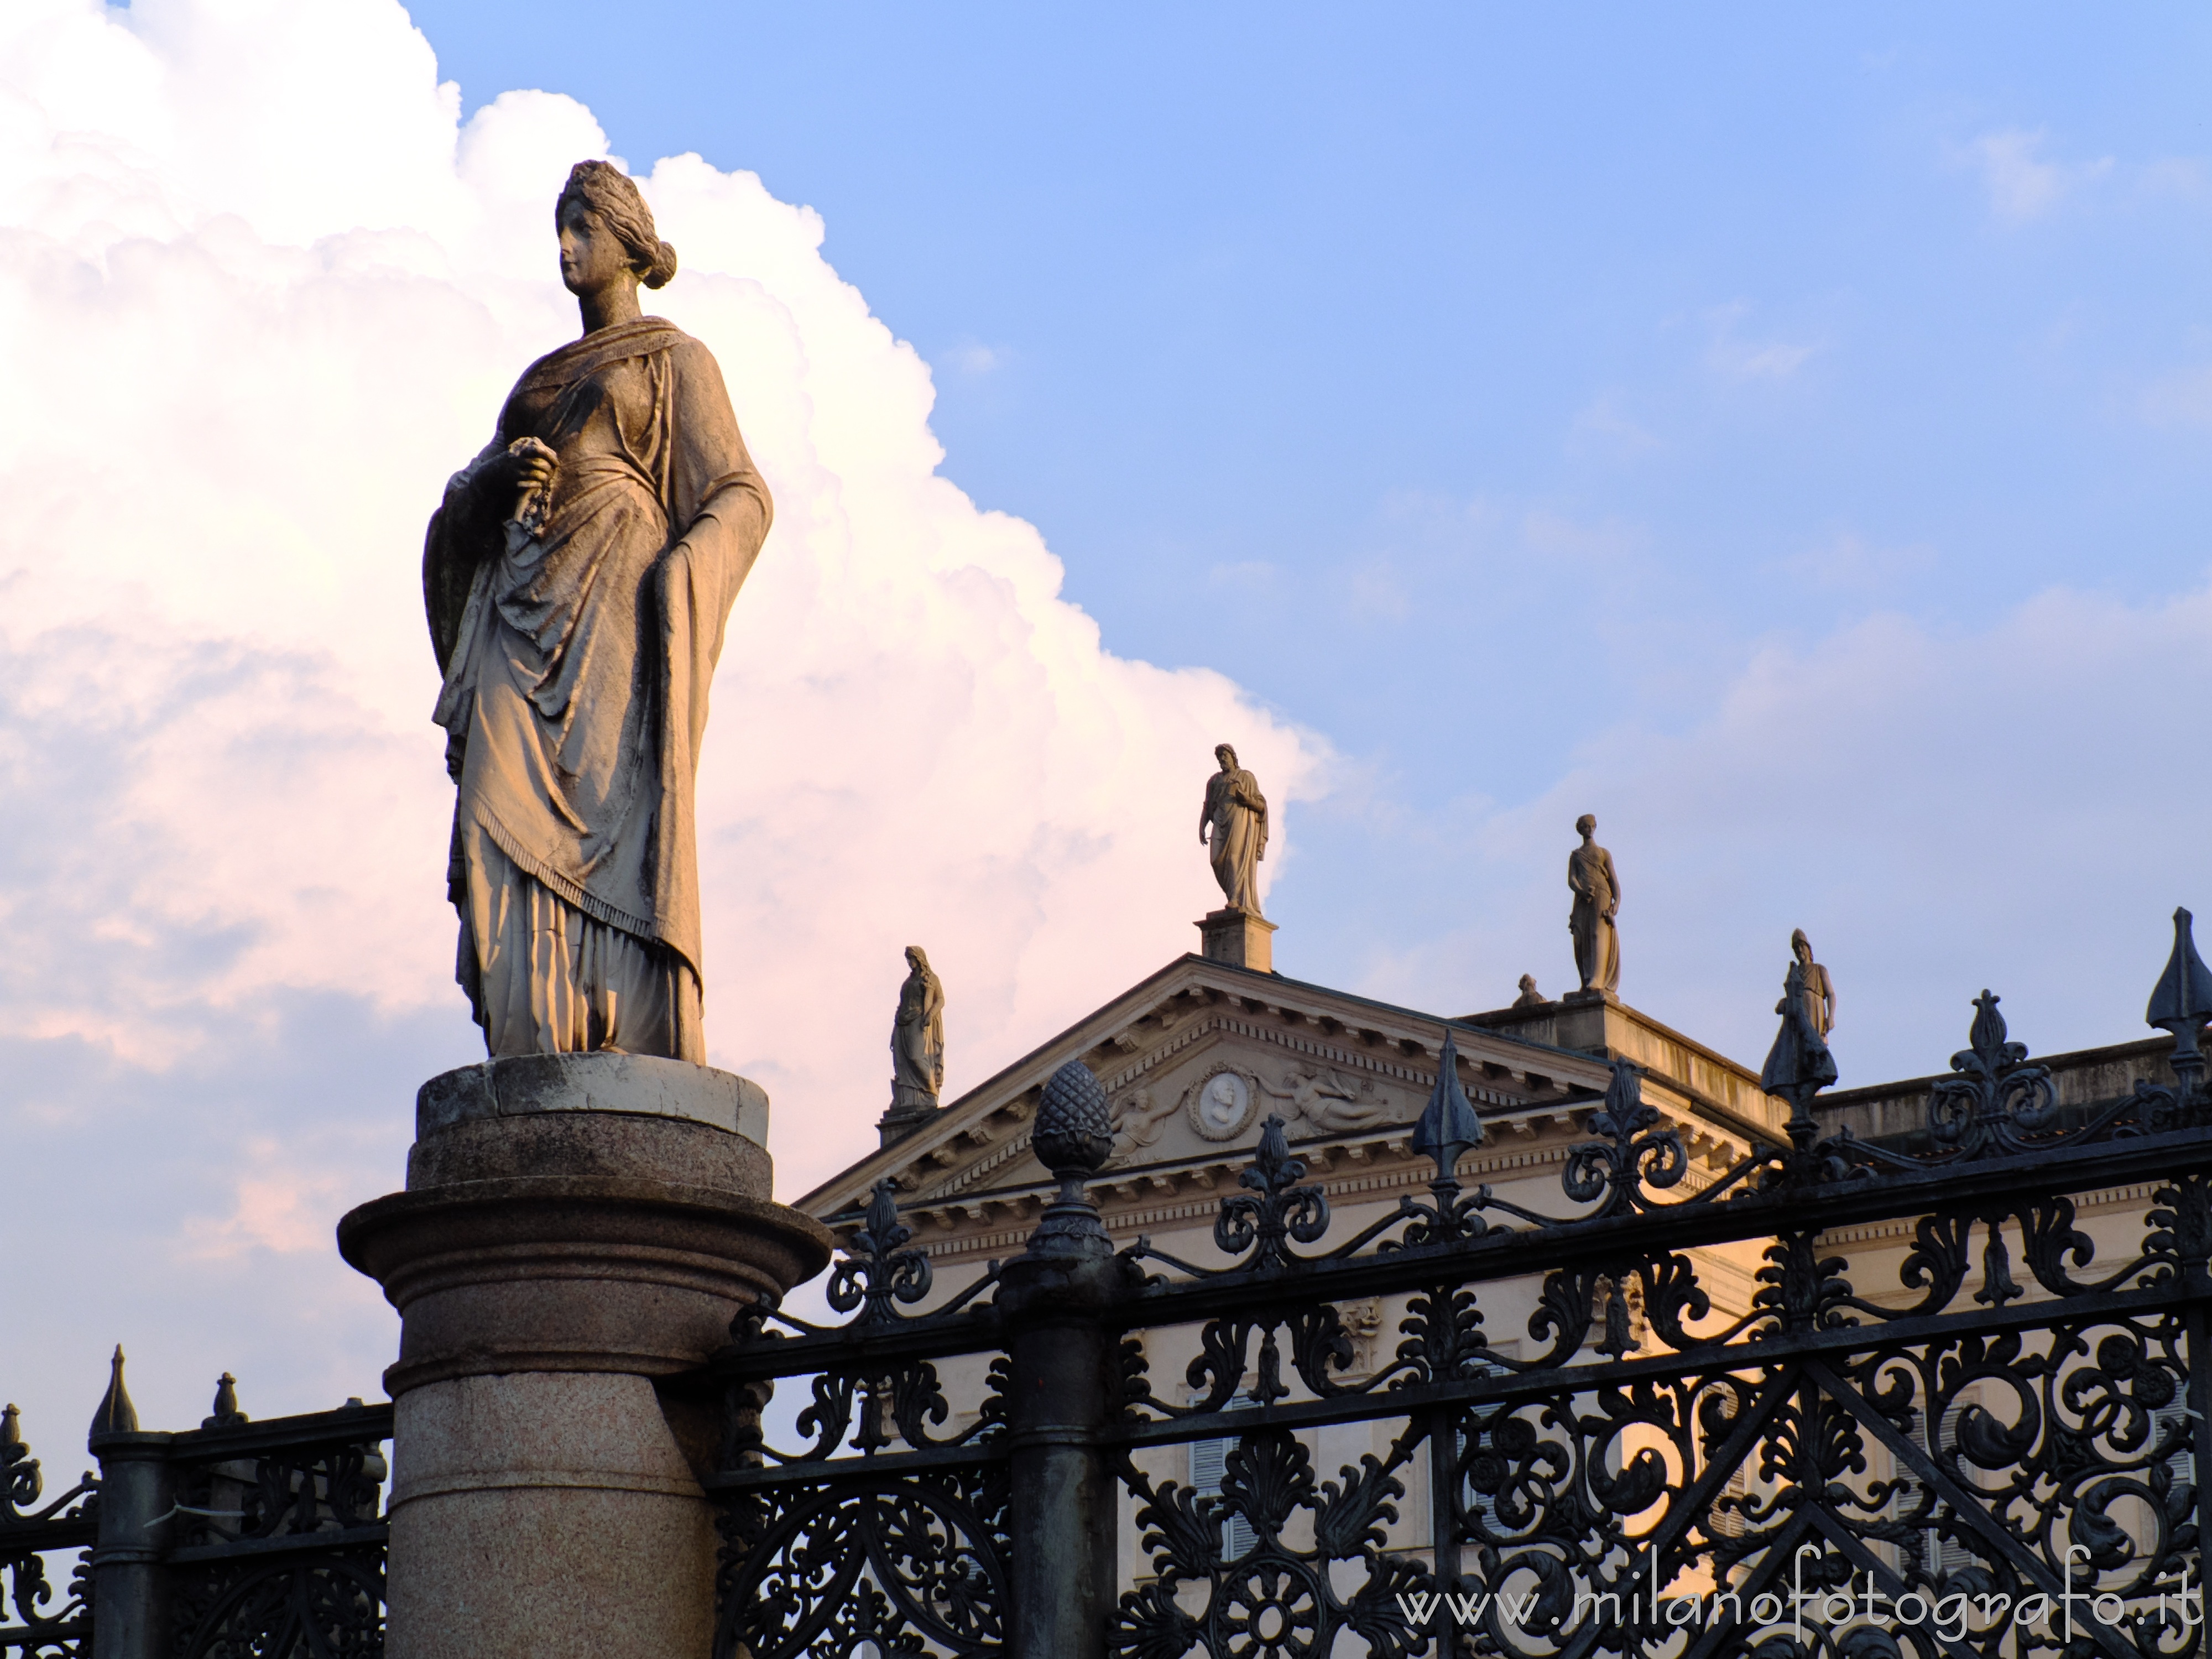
(909, 1566)
(1801, 1289)
(868, 1410)
(285, 1544)
(331, 1607)
(877, 1270)
(1444, 1338)
(1633, 1155)
(1273, 1600)
(1319, 1345)
(37, 1619)
(1261, 1223)
(2018, 1403)
(1998, 1100)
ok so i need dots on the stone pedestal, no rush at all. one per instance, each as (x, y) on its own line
(573, 1227)
(1239, 938)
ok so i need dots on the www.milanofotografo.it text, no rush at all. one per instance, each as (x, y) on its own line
(1950, 1616)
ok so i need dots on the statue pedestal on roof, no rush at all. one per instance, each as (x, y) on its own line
(1243, 938)
(574, 1227)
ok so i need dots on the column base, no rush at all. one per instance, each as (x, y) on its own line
(574, 1226)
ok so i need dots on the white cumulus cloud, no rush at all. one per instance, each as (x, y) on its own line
(261, 289)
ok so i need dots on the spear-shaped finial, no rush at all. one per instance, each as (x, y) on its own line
(116, 1415)
(1448, 1125)
(2181, 1003)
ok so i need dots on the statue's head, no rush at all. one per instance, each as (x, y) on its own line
(1226, 756)
(606, 228)
(1800, 946)
(1527, 982)
(1586, 824)
(917, 959)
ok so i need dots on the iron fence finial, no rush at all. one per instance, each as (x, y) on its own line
(1448, 1125)
(1073, 1139)
(876, 1269)
(116, 1414)
(2180, 1003)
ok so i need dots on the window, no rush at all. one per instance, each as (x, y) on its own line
(1209, 1467)
(1943, 1555)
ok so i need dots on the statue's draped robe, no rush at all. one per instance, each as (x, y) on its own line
(576, 667)
(1597, 892)
(1816, 996)
(918, 1040)
(1237, 837)
(1800, 1057)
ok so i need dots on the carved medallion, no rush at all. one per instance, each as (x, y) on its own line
(1221, 1106)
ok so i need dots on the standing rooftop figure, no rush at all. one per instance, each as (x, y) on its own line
(1597, 900)
(1234, 825)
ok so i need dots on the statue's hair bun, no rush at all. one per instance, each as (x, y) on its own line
(657, 274)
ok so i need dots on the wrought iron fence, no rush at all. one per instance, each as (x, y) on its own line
(234, 1539)
(44, 1578)
(1961, 1413)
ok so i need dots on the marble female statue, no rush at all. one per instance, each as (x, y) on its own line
(1233, 823)
(1597, 900)
(918, 1036)
(577, 578)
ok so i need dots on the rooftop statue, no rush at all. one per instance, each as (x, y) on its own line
(917, 1038)
(1809, 983)
(1530, 997)
(1234, 825)
(1597, 900)
(1800, 1062)
(577, 579)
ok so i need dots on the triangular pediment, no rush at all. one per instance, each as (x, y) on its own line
(1193, 1060)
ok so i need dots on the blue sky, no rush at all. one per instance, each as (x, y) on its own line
(1476, 384)
(1782, 431)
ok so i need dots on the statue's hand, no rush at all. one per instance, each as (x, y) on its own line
(534, 464)
(525, 467)
(529, 466)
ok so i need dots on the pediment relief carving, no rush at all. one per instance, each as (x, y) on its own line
(1328, 1069)
(1189, 1110)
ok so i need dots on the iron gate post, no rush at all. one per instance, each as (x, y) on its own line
(130, 1593)
(1063, 1387)
(1064, 1498)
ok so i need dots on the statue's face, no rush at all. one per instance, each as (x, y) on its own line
(592, 256)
